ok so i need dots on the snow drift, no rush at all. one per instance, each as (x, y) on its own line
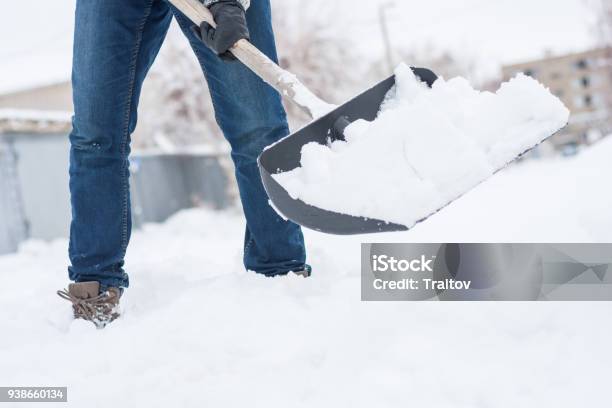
(199, 331)
(426, 147)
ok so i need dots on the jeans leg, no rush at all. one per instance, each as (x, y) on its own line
(251, 116)
(115, 43)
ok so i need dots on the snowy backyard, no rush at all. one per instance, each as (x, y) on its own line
(199, 331)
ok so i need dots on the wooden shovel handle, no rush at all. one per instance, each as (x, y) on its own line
(283, 81)
(195, 11)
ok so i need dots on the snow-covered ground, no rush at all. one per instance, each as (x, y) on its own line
(199, 331)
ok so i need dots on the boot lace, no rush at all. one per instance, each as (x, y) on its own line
(100, 310)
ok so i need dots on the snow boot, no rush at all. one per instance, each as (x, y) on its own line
(91, 305)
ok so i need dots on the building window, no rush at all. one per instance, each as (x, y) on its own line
(582, 102)
(530, 72)
(586, 82)
(555, 75)
(582, 64)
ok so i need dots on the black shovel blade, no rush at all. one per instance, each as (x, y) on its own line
(285, 156)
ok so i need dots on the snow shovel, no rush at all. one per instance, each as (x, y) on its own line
(328, 123)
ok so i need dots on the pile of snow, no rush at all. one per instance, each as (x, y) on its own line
(426, 147)
(552, 200)
(199, 331)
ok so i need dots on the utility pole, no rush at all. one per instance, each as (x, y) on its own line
(385, 33)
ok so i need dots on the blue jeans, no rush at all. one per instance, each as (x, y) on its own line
(116, 42)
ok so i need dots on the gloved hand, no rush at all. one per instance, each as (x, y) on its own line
(231, 27)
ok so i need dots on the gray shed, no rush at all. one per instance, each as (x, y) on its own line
(34, 195)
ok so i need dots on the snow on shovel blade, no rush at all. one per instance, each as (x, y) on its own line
(285, 156)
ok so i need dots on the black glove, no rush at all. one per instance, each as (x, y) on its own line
(231, 27)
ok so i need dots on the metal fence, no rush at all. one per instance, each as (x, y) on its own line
(13, 227)
(161, 185)
(34, 197)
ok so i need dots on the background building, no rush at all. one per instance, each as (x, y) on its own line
(46, 96)
(584, 82)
